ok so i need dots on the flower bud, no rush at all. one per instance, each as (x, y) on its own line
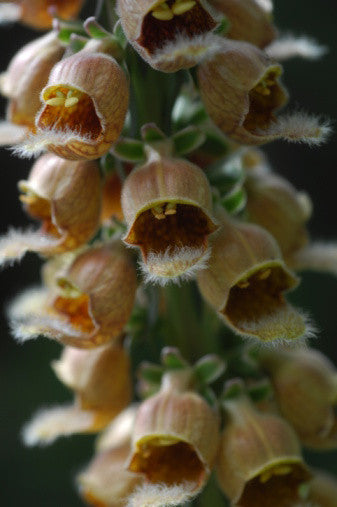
(274, 203)
(25, 77)
(84, 107)
(100, 378)
(169, 34)
(305, 385)
(101, 382)
(241, 91)
(37, 13)
(175, 436)
(167, 206)
(105, 482)
(259, 459)
(94, 302)
(248, 21)
(66, 198)
(111, 198)
(245, 282)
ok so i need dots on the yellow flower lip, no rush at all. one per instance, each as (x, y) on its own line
(165, 12)
(69, 109)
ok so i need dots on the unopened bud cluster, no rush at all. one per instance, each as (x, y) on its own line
(159, 221)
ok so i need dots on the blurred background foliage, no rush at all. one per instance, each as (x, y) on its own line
(45, 476)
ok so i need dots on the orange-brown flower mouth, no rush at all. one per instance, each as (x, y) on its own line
(282, 482)
(256, 305)
(74, 305)
(169, 461)
(170, 226)
(68, 110)
(169, 18)
(40, 208)
(37, 13)
(264, 99)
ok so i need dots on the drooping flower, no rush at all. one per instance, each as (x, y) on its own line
(259, 460)
(90, 305)
(175, 438)
(276, 205)
(22, 83)
(105, 481)
(39, 14)
(65, 197)
(170, 34)
(245, 282)
(167, 206)
(305, 386)
(248, 21)
(242, 93)
(101, 382)
(84, 107)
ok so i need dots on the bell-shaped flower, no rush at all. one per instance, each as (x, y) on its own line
(39, 14)
(170, 34)
(84, 107)
(22, 83)
(259, 458)
(175, 439)
(249, 21)
(101, 382)
(167, 206)
(245, 282)
(305, 386)
(66, 198)
(276, 205)
(92, 305)
(105, 481)
(242, 93)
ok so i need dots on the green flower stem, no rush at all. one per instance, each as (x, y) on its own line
(183, 320)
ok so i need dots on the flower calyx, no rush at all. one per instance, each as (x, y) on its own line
(176, 372)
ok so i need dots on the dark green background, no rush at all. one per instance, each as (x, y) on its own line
(44, 477)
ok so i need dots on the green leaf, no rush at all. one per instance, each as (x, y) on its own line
(94, 29)
(108, 163)
(65, 29)
(151, 133)
(208, 393)
(226, 175)
(172, 359)
(77, 42)
(235, 201)
(151, 372)
(129, 150)
(260, 391)
(233, 389)
(187, 111)
(215, 144)
(120, 35)
(222, 27)
(209, 368)
(187, 140)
